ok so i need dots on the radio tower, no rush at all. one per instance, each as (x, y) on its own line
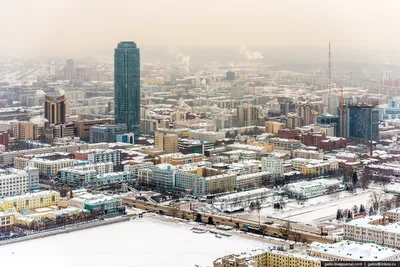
(329, 77)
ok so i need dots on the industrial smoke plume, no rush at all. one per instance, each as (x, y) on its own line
(250, 55)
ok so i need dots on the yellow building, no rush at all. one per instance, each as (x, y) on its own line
(154, 81)
(270, 258)
(221, 183)
(7, 220)
(273, 127)
(166, 142)
(315, 169)
(30, 201)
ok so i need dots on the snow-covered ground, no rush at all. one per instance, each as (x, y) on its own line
(315, 209)
(137, 243)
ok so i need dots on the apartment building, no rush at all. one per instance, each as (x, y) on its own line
(100, 156)
(48, 167)
(17, 182)
(7, 158)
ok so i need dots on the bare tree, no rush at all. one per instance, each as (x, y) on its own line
(174, 210)
(385, 205)
(396, 201)
(285, 230)
(355, 209)
(258, 208)
(252, 206)
(375, 199)
(365, 180)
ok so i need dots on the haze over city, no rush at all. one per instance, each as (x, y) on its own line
(199, 133)
(81, 28)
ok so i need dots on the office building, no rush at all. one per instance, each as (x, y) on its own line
(83, 127)
(69, 69)
(230, 75)
(166, 142)
(127, 86)
(363, 122)
(327, 120)
(55, 109)
(106, 133)
(97, 204)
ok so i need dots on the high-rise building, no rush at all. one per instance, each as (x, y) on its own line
(24, 130)
(248, 114)
(55, 109)
(230, 75)
(303, 111)
(69, 69)
(81, 73)
(362, 122)
(127, 86)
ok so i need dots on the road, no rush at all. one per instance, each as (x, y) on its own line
(271, 230)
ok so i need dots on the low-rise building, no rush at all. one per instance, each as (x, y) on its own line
(242, 200)
(353, 251)
(7, 220)
(373, 229)
(253, 180)
(269, 257)
(309, 189)
(393, 215)
(179, 158)
(220, 183)
(30, 201)
(97, 204)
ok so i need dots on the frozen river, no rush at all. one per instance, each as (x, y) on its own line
(138, 243)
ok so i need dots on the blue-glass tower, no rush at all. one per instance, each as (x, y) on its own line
(127, 86)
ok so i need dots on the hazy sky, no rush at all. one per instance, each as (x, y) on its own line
(73, 27)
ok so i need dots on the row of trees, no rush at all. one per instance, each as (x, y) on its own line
(49, 222)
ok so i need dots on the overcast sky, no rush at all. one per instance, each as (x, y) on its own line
(68, 27)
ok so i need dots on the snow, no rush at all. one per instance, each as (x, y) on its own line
(316, 209)
(137, 243)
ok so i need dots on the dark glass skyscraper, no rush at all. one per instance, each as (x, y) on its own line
(363, 122)
(127, 86)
